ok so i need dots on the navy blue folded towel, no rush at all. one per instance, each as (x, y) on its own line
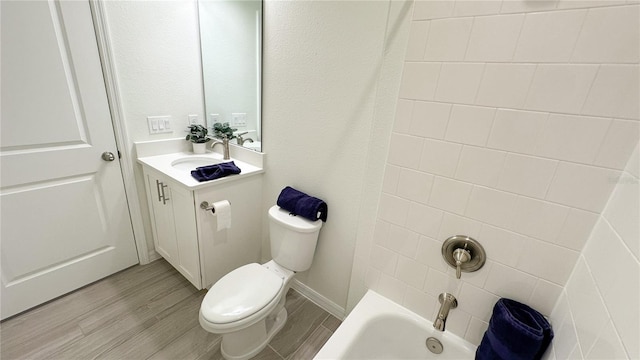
(299, 203)
(216, 171)
(516, 332)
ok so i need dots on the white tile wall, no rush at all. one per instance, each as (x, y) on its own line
(573, 138)
(492, 206)
(432, 9)
(576, 4)
(454, 74)
(609, 35)
(440, 157)
(549, 36)
(581, 186)
(576, 229)
(411, 272)
(597, 316)
(470, 124)
(402, 240)
(454, 224)
(417, 40)
(623, 215)
(547, 261)
(419, 80)
(608, 345)
(505, 85)
(430, 119)
(614, 92)
(504, 246)
(450, 195)
(560, 88)
(544, 296)
(494, 38)
(587, 306)
(538, 218)
(480, 166)
(527, 6)
(419, 302)
(402, 150)
(414, 185)
(448, 39)
(473, 7)
(509, 282)
(515, 120)
(618, 143)
(424, 220)
(517, 131)
(527, 175)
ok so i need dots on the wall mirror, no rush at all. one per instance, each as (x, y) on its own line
(231, 48)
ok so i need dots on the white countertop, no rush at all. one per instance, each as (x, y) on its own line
(163, 164)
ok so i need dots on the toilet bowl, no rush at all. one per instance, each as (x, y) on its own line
(246, 306)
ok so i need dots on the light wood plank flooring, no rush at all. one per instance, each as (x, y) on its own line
(146, 312)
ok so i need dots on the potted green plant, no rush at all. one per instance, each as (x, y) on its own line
(223, 130)
(198, 137)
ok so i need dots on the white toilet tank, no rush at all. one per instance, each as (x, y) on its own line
(293, 239)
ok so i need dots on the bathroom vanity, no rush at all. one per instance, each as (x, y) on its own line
(186, 235)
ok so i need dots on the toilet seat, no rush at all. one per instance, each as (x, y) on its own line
(240, 298)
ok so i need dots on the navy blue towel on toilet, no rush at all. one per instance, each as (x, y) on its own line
(216, 171)
(299, 203)
(516, 332)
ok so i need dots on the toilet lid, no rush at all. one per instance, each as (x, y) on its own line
(240, 293)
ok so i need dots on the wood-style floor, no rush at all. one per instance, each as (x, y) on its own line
(146, 312)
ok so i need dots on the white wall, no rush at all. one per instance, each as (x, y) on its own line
(157, 57)
(598, 313)
(322, 78)
(513, 121)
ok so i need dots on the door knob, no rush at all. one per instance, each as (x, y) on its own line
(108, 156)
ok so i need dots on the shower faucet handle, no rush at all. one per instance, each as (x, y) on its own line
(463, 253)
(461, 256)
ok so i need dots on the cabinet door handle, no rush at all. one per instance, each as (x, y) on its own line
(158, 183)
(164, 196)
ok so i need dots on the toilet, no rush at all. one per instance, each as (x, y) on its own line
(246, 306)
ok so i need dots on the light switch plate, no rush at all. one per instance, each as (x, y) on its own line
(239, 119)
(159, 124)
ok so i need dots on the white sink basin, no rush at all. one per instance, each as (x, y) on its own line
(192, 162)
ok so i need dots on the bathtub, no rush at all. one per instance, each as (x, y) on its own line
(378, 328)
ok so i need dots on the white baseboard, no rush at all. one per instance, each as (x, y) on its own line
(153, 256)
(326, 304)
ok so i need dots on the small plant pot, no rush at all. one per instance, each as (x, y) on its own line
(199, 148)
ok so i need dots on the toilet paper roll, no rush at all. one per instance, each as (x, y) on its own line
(222, 211)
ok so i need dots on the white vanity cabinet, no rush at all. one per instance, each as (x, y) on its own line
(173, 218)
(188, 236)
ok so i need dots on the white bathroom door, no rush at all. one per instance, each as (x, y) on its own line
(63, 213)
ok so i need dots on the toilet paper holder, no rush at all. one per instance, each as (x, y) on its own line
(207, 207)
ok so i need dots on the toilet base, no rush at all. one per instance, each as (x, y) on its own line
(249, 342)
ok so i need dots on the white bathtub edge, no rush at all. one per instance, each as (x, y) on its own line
(372, 305)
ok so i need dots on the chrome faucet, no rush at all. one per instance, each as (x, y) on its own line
(447, 302)
(240, 140)
(225, 147)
